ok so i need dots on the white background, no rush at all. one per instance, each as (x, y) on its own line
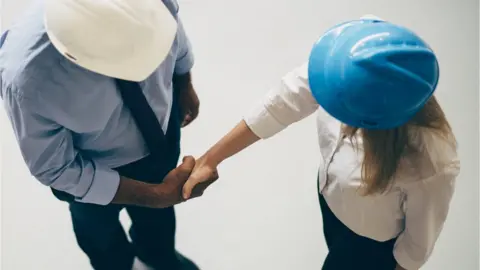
(263, 213)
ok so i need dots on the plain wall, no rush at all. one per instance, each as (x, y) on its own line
(263, 213)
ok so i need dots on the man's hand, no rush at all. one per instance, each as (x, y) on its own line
(189, 106)
(189, 102)
(166, 194)
(170, 190)
(202, 176)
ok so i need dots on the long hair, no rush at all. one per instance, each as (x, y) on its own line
(384, 149)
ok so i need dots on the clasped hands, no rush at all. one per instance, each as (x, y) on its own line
(189, 180)
(203, 175)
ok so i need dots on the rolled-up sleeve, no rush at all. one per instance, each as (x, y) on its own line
(185, 59)
(284, 105)
(426, 208)
(49, 153)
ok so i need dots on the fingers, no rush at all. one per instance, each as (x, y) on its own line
(188, 187)
(190, 115)
(196, 184)
(194, 112)
(185, 169)
(187, 120)
(188, 163)
(200, 188)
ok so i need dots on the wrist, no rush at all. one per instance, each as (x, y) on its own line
(212, 158)
(133, 192)
(157, 195)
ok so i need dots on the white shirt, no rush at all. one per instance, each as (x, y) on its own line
(415, 208)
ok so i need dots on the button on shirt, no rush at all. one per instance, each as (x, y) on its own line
(415, 208)
(70, 123)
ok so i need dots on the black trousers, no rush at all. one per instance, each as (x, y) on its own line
(98, 230)
(350, 251)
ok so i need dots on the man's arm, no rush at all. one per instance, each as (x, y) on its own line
(166, 194)
(185, 58)
(134, 192)
(49, 153)
(182, 81)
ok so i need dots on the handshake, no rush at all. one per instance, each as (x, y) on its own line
(189, 180)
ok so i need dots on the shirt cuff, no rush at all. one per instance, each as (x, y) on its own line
(262, 122)
(184, 64)
(404, 260)
(103, 189)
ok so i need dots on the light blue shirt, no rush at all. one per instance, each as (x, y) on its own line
(70, 123)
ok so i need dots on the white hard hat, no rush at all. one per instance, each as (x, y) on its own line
(124, 39)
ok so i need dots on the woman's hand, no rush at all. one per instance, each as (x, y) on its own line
(203, 175)
(205, 171)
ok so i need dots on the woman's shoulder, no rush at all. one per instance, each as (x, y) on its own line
(437, 149)
(432, 154)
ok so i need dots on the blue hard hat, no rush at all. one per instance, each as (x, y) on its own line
(372, 74)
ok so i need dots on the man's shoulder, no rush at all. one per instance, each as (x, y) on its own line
(30, 64)
(43, 72)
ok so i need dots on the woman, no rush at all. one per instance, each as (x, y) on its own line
(390, 159)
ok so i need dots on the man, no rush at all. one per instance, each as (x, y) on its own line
(96, 92)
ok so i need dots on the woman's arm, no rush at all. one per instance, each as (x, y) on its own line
(239, 138)
(284, 105)
(426, 209)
